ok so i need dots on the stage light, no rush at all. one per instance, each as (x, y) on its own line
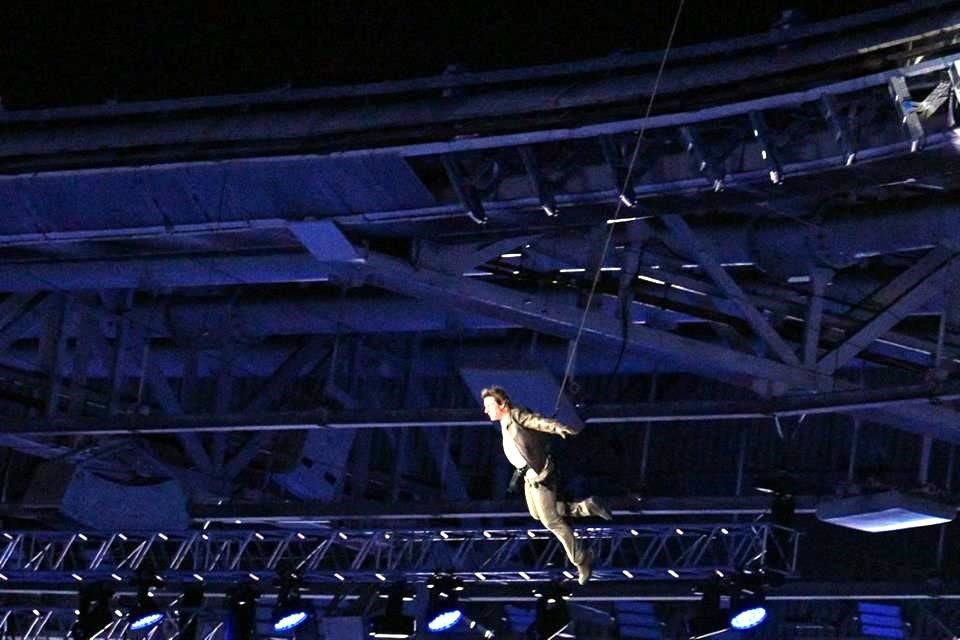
(393, 623)
(747, 611)
(748, 618)
(141, 620)
(886, 511)
(552, 614)
(145, 614)
(289, 612)
(444, 620)
(443, 609)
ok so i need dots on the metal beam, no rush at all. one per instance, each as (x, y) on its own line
(913, 287)
(709, 263)
(911, 397)
(87, 327)
(164, 395)
(563, 320)
(466, 194)
(293, 367)
(841, 134)
(292, 513)
(811, 333)
(158, 272)
(52, 349)
(304, 357)
(909, 118)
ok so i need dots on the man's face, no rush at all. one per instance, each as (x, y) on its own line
(493, 410)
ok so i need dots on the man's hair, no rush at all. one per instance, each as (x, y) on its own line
(498, 394)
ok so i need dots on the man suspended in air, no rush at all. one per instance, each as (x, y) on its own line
(525, 447)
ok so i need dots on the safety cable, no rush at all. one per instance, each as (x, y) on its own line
(572, 355)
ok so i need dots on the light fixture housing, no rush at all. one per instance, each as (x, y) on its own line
(553, 617)
(443, 608)
(146, 614)
(747, 611)
(289, 612)
(241, 619)
(885, 511)
(94, 612)
(393, 624)
(710, 620)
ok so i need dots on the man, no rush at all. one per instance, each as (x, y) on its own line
(524, 446)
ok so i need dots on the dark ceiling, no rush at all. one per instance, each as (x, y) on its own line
(255, 266)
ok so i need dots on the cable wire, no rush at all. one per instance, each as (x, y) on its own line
(572, 355)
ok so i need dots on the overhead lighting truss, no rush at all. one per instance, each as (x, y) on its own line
(367, 556)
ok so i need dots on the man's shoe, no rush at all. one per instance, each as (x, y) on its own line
(585, 568)
(596, 508)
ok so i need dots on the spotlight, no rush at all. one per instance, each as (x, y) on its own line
(145, 614)
(747, 611)
(289, 612)
(393, 623)
(552, 614)
(443, 610)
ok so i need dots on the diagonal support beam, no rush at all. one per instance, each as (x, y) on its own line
(459, 258)
(907, 291)
(306, 356)
(17, 304)
(87, 327)
(811, 333)
(246, 454)
(164, 395)
(709, 263)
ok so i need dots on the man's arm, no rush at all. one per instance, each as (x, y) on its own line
(532, 420)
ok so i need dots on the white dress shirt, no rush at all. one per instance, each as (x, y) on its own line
(510, 449)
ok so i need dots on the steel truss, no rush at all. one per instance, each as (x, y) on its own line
(380, 555)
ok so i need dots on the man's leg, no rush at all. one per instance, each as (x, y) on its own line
(528, 494)
(543, 498)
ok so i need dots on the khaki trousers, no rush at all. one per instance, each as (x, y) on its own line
(543, 506)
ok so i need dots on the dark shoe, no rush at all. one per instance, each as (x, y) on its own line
(596, 508)
(585, 568)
